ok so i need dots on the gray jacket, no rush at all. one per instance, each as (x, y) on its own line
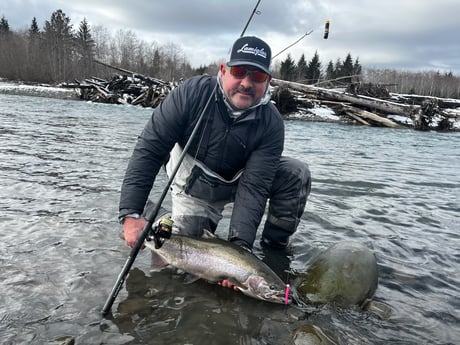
(253, 142)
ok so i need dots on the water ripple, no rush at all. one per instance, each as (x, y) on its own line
(397, 191)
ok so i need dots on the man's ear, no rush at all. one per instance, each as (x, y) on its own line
(223, 69)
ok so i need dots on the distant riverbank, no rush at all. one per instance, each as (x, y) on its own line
(316, 111)
(317, 114)
(37, 90)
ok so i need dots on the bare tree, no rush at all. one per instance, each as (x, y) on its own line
(173, 56)
(428, 83)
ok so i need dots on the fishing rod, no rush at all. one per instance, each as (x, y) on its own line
(150, 217)
(250, 17)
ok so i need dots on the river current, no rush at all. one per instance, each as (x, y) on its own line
(62, 164)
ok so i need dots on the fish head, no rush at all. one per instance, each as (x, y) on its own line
(259, 287)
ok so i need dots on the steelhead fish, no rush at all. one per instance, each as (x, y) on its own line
(214, 260)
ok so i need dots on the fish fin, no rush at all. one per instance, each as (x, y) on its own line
(157, 263)
(190, 278)
(236, 283)
(208, 234)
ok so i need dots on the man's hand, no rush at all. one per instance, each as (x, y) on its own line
(132, 227)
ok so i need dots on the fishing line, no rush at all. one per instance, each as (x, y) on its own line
(289, 46)
(325, 36)
(153, 214)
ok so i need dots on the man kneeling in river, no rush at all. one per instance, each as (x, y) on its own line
(235, 157)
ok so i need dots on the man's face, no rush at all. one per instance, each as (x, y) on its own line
(241, 90)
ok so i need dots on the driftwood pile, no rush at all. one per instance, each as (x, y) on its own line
(369, 105)
(127, 88)
(122, 89)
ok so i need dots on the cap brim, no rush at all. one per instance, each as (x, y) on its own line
(247, 63)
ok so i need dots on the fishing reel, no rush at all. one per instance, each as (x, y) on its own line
(161, 231)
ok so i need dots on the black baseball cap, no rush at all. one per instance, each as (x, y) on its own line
(252, 51)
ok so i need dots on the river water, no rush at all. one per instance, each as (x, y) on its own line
(62, 163)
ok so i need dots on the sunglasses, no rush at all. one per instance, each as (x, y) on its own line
(240, 72)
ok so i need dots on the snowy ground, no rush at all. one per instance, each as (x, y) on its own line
(15, 88)
(318, 113)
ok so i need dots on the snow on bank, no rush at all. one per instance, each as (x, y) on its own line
(20, 89)
(454, 113)
(401, 119)
(318, 113)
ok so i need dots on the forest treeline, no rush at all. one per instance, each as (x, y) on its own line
(57, 52)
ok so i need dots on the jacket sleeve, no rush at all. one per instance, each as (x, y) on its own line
(170, 123)
(255, 184)
(161, 132)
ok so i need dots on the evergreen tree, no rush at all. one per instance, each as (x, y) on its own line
(338, 68)
(5, 43)
(85, 49)
(58, 40)
(4, 26)
(10, 55)
(34, 27)
(347, 69)
(288, 69)
(330, 72)
(156, 64)
(314, 69)
(302, 68)
(357, 70)
(35, 54)
(200, 70)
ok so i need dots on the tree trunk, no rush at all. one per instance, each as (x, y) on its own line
(369, 102)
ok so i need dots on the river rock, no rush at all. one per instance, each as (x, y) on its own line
(346, 274)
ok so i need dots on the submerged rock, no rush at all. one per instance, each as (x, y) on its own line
(312, 335)
(65, 340)
(345, 274)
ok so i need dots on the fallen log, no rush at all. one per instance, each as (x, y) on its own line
(369, 102)
(444, 103)
(357, 118)
(424, 117)
(370, 116)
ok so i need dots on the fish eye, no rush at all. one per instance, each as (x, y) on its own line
(272, 287)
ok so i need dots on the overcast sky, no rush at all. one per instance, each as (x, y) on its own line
(397, 34)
